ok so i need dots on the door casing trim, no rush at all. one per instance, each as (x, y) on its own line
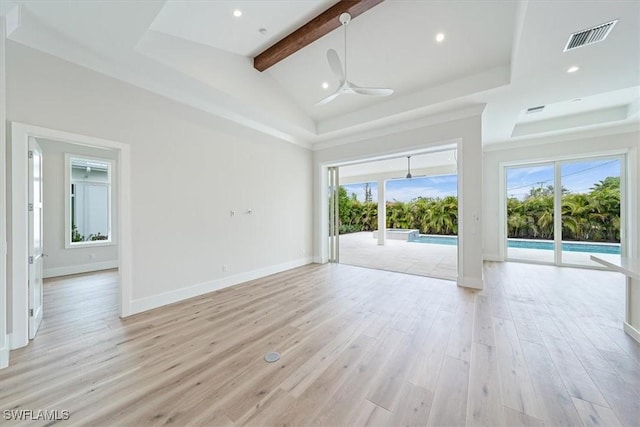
(20, 134)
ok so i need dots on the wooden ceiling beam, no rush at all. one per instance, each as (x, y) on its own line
(319, 26)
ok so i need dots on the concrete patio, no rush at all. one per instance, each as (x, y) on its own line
(435, 260)
(423, 259)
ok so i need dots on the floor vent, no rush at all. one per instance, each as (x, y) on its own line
(589, 36)
(271, 357)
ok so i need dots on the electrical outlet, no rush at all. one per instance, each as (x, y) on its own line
(225, 268)
(92, 256)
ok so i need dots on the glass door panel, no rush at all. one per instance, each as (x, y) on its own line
(334, 217)
(591, 223)
(530, 213)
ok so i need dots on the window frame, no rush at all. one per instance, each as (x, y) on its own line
(68, 244)
(624, 156)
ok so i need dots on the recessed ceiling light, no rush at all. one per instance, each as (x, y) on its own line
(439, 37)
(237, 13)
(573, 69)
(576, 100)
(325, 85)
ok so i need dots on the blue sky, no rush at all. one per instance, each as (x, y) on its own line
(404, 190)
(577, 177)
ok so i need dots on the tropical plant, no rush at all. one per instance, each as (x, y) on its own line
(75, 234)
(592, 216)
(429, 215)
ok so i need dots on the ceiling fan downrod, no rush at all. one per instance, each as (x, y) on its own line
(345, 18)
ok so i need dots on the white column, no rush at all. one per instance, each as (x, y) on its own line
(470, 253)
(382, 214)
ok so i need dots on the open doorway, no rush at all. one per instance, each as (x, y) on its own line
(80, 202)
(104, 207)
(414, 199)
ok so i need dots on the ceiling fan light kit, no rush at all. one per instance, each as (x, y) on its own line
(345, 86)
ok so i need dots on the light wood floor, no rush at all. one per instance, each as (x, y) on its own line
(539, 346)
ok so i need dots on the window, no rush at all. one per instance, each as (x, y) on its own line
(564, 211)
(88, 207)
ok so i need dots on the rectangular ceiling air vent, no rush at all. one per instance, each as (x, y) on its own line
(589, 36)
(535, 109)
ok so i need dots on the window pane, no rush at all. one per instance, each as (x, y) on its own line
(530, 213)
(590, 211)
(90, 200)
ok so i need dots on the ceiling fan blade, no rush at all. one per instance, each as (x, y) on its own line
(328, 99)
(374, 91)
(335, 64)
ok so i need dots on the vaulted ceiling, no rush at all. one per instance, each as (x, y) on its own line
(506, 54)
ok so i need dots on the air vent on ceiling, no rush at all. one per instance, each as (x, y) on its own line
(535, 109)
(589, 36)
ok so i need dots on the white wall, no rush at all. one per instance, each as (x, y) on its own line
(460, 127)
(61, 260)
(188, 170)
(4, 312)
(577, 145)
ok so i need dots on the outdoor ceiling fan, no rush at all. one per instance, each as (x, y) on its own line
(409, 175)
(346, 87)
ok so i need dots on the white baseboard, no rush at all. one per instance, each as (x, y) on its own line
(632, 332)
(493, 257)
(471, 282)
(155, 301)
(77, 269)
(320, 260)
(16, 341)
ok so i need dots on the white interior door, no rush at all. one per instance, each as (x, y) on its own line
(35, 237)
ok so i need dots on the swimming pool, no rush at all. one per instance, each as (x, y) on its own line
(598, 248)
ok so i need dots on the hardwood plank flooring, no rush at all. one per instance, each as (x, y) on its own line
(485, 404)
(539, 346)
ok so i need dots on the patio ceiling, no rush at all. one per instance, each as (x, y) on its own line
(429, 164)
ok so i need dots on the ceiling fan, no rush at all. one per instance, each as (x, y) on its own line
(409, 175)
(346, 87)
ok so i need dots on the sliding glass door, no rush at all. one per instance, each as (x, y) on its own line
(565, 211)
(530, 213)
(334, 217)
(591, 210)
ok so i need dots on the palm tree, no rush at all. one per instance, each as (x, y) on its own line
(538, 209)
(398, 215)
(442, 218)
(369, 216)
(517, 224)
(604, 200)
(575, 210)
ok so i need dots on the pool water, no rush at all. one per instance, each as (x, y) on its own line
(438, 240)
(597, 248)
